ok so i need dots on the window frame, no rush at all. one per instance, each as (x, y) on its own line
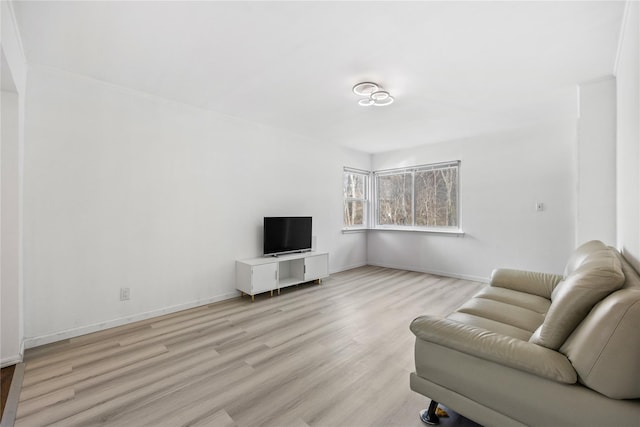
(375, 220)
(366, 220)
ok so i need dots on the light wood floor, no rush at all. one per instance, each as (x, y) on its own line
(335, 354)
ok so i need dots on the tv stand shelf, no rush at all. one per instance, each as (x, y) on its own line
(267, 274)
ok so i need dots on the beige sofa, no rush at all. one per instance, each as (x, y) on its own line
(539, 349)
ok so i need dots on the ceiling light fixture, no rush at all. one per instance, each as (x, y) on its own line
(365, 88)
(375, 94)
(386, 101)
(380, 95)
(365, 102)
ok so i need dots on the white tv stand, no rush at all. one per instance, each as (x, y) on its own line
(264, 274)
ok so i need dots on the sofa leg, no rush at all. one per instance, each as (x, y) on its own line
(428, 416)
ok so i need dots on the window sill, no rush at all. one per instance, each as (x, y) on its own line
(454, 232)
(354, 230)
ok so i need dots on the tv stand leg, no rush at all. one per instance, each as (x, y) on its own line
(253, 297)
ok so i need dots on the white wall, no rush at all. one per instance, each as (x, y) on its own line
(596, 157)
(628, 133)
(10, 295)
(502, 176)
(123, 189)
(12, 116)
(12, 46)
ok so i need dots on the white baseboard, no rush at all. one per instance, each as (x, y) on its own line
(436, 272)
(349, 267)
(12, 360)
(83, 330)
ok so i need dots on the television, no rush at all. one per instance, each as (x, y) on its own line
(286, 234)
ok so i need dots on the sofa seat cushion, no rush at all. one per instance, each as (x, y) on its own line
(494, 347)
(490, 325)
(528, 282)
(519, 299)
(501, 312)
(598, 275)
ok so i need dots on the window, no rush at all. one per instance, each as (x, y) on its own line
(395, 198)
(420, 197)
(355, 189)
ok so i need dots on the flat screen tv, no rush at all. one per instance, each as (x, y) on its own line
(283, 235)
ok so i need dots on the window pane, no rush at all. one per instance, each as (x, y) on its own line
(437, 198)
(354, 185)
(394, 199)
(353, 213)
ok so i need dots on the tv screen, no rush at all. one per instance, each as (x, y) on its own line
(287, 234)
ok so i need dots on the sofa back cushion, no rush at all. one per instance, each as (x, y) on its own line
(605, 348)
(631, 276)
(596, 275)
(579, 254)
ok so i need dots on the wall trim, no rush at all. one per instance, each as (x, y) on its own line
(13, 360)
(434, 272)
(96, 327)
(349, 267)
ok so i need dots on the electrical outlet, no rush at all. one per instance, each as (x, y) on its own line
(125, 294)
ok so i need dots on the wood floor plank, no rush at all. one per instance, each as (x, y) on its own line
(63, 355)
(43, 401)
(219, 419)
(330, 354)
(192, 404)
(44, 374)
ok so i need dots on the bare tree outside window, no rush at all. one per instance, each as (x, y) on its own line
(423, 196)
(394, 199)
(437, 198)
(355, 190)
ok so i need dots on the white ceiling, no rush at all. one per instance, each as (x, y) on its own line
(456, 68)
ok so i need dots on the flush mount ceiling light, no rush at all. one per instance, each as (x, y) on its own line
(365, 88)
(365, 102)
(375, 94)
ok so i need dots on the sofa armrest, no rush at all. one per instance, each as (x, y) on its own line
(531, 282)
(501, 349)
